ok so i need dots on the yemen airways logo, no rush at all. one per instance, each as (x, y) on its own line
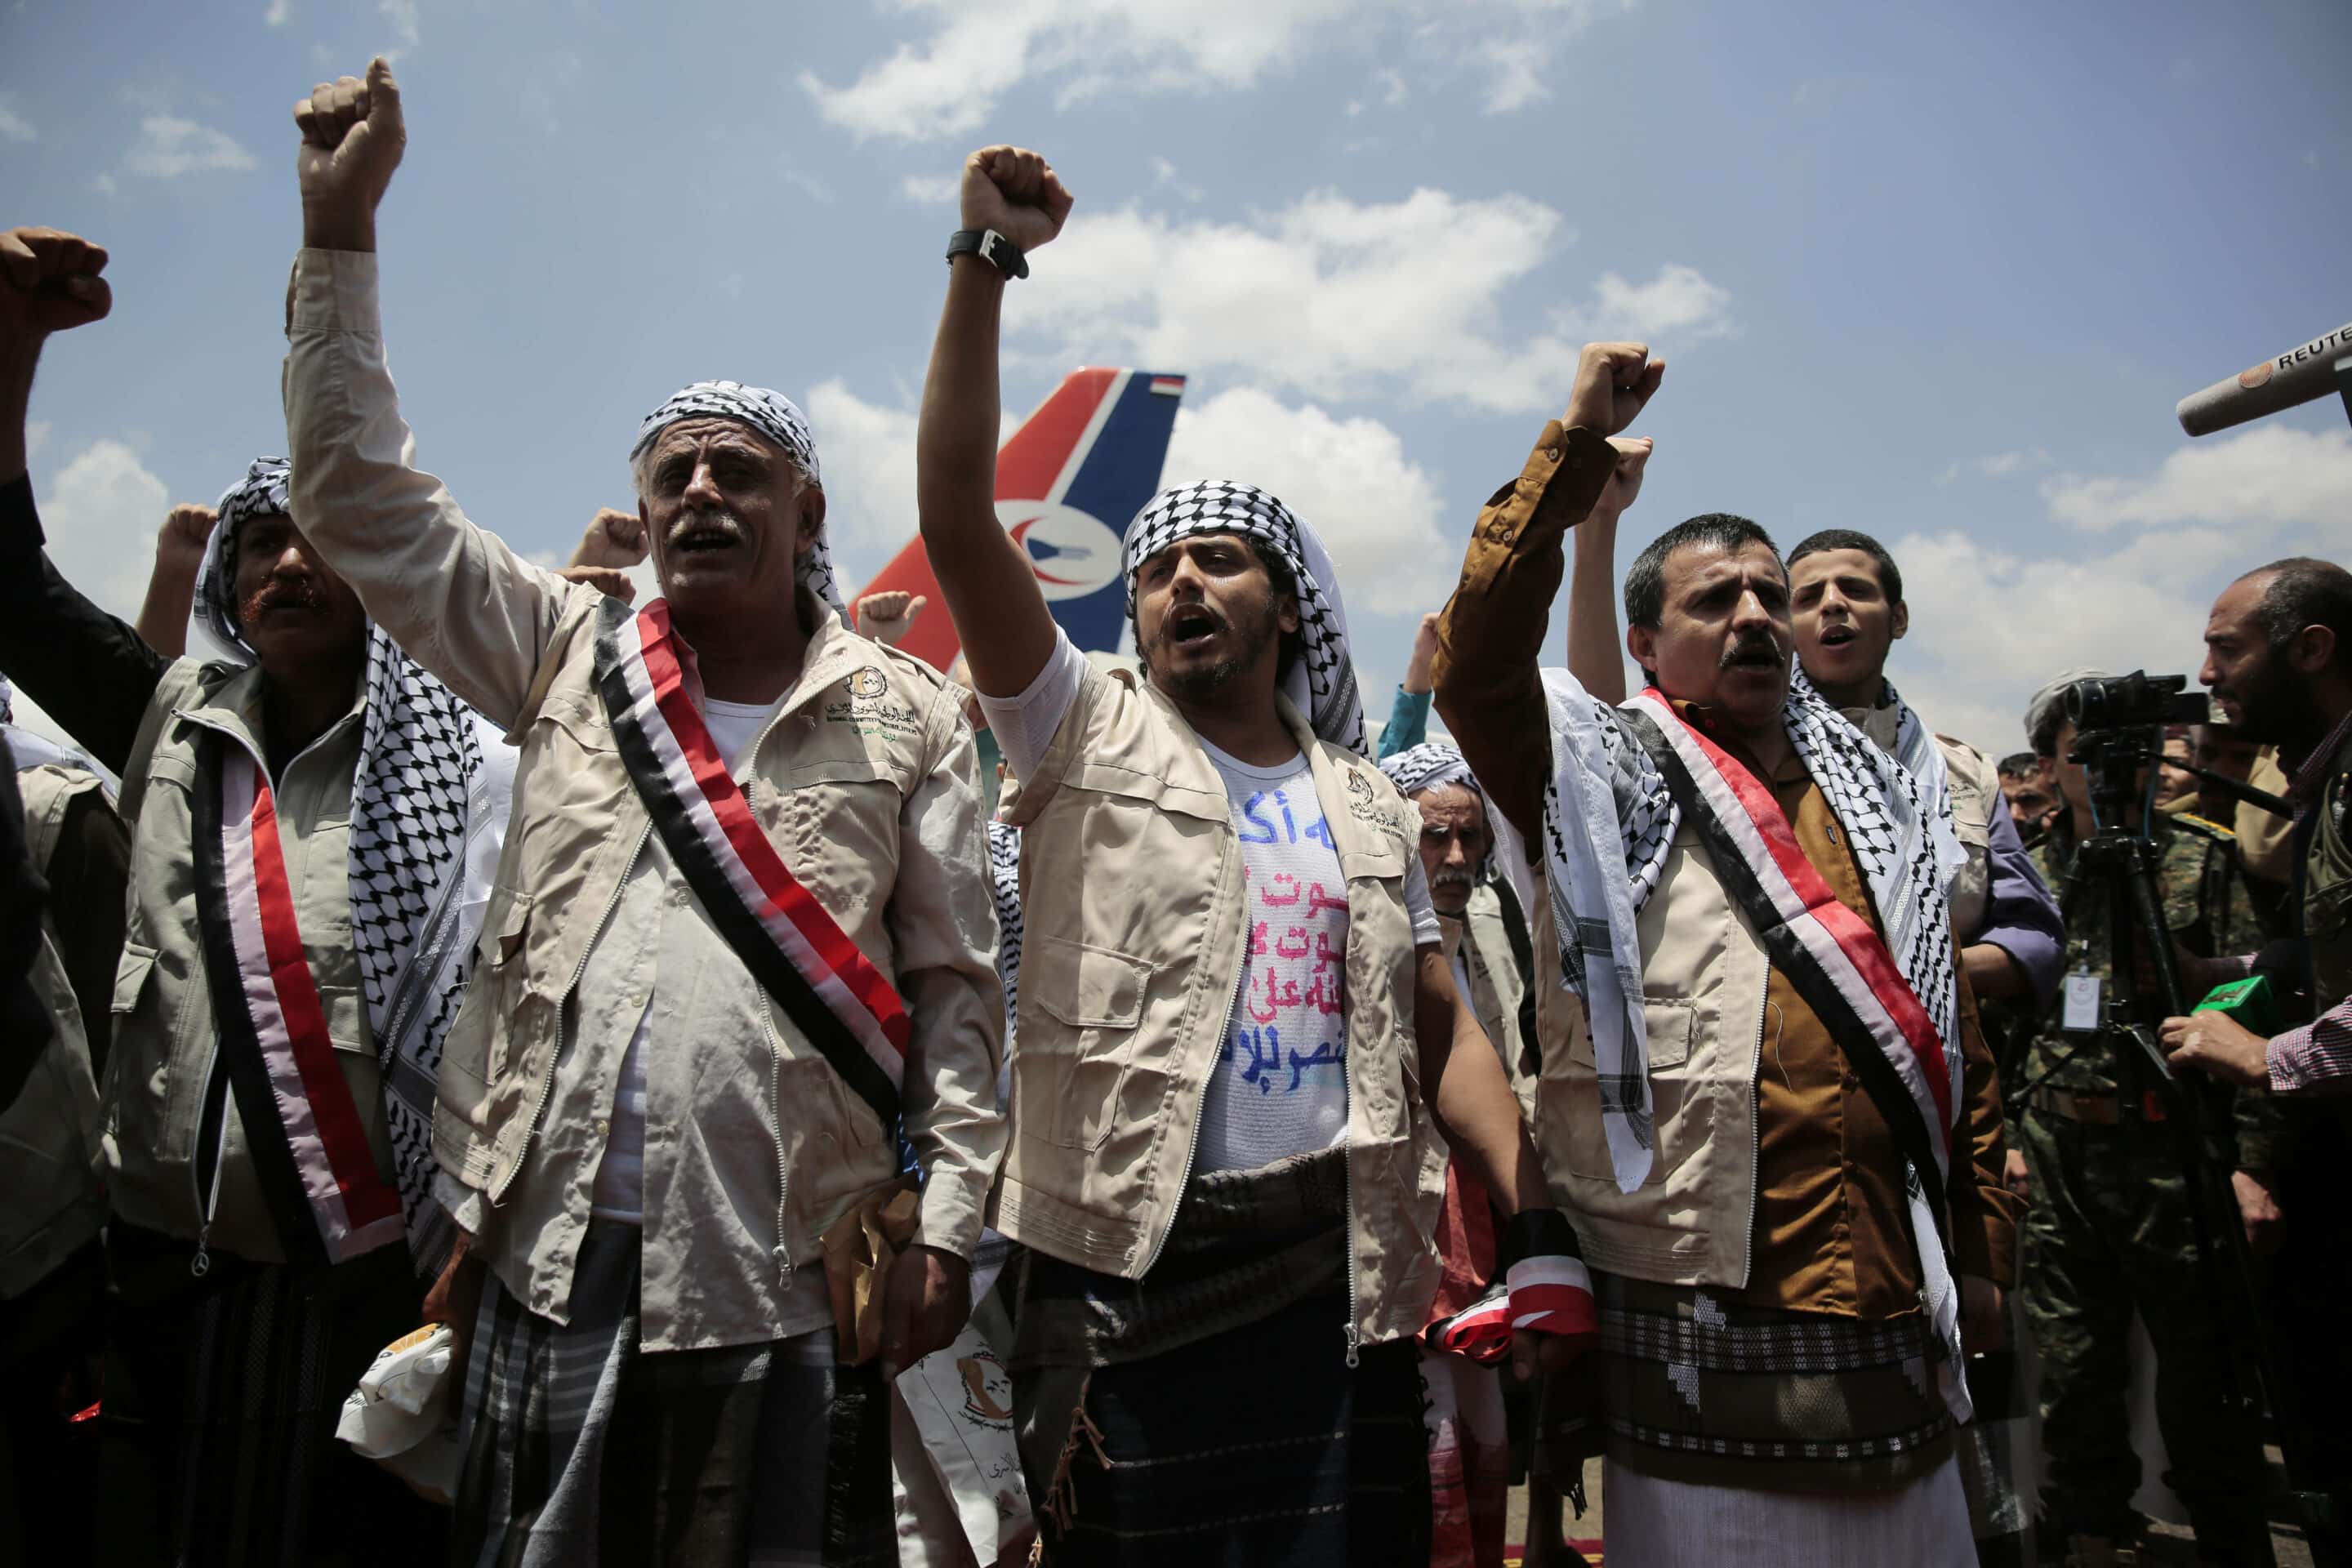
(1073, 552)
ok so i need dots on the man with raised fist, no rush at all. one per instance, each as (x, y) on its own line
(1772, 1114)
(1239, 1036)
(298, 816)
(741, 934)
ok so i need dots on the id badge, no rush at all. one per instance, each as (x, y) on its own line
(2080, 1013)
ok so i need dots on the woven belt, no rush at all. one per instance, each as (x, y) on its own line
(2103, 1108)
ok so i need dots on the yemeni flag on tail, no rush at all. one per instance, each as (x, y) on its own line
(797, 952)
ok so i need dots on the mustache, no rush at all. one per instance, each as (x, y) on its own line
(281, 594)
(1451, 878)
(1751, 650)
(707, 520)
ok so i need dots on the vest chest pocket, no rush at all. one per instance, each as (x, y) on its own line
(1072, 1062)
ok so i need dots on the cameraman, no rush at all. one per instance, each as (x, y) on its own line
(2114, 1222)
(2279, 659)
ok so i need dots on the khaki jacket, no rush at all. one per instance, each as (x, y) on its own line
(848, 781)
(168, 1108)
(1133, 924)
(51, 1167)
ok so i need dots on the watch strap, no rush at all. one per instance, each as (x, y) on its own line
(990, 246)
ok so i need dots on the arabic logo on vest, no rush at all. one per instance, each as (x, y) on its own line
(1360, 786)
(867, 683)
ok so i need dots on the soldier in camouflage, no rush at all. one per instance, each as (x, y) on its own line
(2111, 1228)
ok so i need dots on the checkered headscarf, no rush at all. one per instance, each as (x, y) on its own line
(1321, 683)
(775, 416)
(263, 492)
(420, 796)
(1434, 764)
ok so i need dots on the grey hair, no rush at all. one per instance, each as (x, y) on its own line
(641, 466)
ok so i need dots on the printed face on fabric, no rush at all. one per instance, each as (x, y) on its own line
(1453, 844)
(732, 500)
(1723, 637)
(1844, 621)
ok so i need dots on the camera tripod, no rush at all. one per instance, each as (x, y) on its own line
(2121, 867)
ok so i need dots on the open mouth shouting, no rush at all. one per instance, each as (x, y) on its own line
(705, 533)
(1191, 628)
(1837, 633)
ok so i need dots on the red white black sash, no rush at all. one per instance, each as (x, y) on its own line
(1834, 957)
(796, 951)
(305, 1131)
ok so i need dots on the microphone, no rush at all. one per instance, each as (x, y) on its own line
(2295, 376)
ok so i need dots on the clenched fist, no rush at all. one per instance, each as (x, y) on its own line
(352, 137)
(612, 538)
(1017, 192)
(181, 542)
(1625, 479)
(888, 616)
(1613, 381)
(50, 282)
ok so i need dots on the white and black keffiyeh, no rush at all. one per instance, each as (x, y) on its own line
(1609, 820)
(779, 420)
(1434, 763)
(1004, 887)
(1321, 683)
(420, 795)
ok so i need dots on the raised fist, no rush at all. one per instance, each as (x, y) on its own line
(612, 538)
(610, 581)
(352, 137)
(181, 541)
(1017, 192)
(1613, 381)
(888, 617)
(50, 282)
(1625, 479)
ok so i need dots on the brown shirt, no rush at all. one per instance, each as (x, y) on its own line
(1831, 1227)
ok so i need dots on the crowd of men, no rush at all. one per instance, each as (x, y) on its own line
(1731, 1079)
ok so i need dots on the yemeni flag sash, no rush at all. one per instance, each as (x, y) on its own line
(800, 955)
(307, 1137)
(1843, 970)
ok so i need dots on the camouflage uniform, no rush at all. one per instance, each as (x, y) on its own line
(2112, 1229)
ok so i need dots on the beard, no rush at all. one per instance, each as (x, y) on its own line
(288, 592)
(1254, 628)
(1449, 891)
(2273, 703)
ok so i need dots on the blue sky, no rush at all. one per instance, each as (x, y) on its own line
(1940, 277)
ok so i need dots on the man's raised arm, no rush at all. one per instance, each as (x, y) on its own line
(1000, 612)
(452, 594)
(1490, 638)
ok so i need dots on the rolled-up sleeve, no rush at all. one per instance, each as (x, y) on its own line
(2315, 1058)
(942, 920)
(451, 593)
(2022, 915)
(1490, 637)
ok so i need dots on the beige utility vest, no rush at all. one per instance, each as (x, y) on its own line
(52, 1170)
(1131, 953)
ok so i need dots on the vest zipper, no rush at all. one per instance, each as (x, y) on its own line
(547, 1084)
(1755, 1132)
(212, 1126)
(1192, 1149)
(1351, 1335)
(783, 1252)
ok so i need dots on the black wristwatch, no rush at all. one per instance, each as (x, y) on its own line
(990, 246)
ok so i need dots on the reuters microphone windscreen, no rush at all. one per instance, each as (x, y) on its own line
(2295, 376)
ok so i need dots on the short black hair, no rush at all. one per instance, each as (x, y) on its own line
(1645, 580)
(1890, 577)
(2019, 765)
(2302, 591)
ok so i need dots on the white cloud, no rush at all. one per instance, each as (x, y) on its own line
(14, 127)
(931, 190)
(1329, 295)
(2272, 475)
(1377, 512)
(800, 180)
(402, 14)
(277, 13)
(100, 513)
(1678, 305)
(949, 82)
(104, 184)
(1163, 173)
(868, 451)
(1997, 465)
(169, 146)
(1991, 625)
